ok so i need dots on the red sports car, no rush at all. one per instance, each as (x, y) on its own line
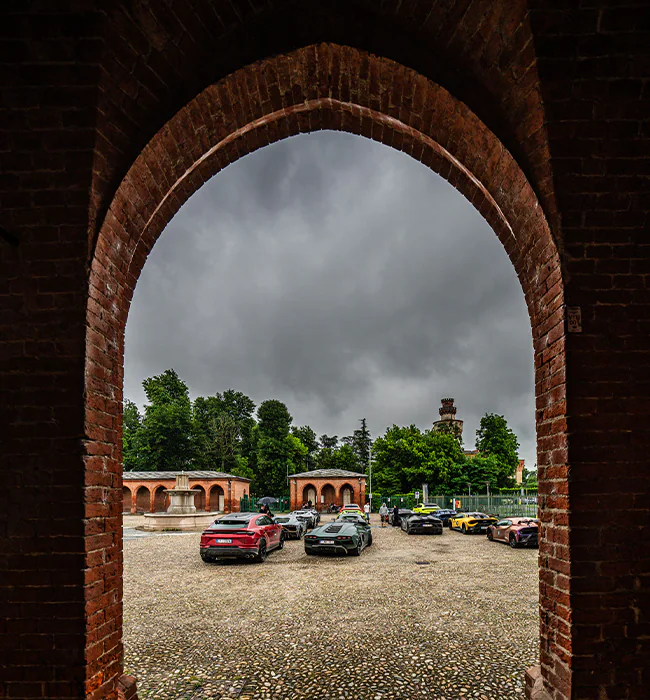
(241, 536)
(517, 532)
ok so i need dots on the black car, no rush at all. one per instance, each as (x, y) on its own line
(421, 524)
(402, 513)
(445, 514)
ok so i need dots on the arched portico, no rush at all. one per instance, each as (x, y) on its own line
(143, 500)
(327, 495)
(114, 75)
(487, 175)
(310, 493)
(127, 499)
(346, 495)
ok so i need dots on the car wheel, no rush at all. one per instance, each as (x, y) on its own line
(261, 552)
(308, 551)
(357, 550)
(281, 545)
(490, 536)
(512, 541)
(369, 539)
(464, 529)
(299, 535)
(208, 560)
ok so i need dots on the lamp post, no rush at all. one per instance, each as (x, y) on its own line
(487, 486)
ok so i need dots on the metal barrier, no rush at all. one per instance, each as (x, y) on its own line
(251, 504)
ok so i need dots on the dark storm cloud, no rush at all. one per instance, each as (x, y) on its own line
(343, 278)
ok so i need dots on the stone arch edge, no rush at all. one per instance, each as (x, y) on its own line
(402, 110)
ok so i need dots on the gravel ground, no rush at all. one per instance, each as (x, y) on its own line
(448, 617)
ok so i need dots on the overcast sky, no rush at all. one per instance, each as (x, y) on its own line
(345, 279)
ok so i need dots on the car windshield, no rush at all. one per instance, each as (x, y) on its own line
(282, 520)
(228, 524)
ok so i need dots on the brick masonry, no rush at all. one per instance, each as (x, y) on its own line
(113, 114)
(331, 491)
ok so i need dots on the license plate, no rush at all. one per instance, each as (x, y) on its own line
(428, 525)
(326, 542)
(222, 541)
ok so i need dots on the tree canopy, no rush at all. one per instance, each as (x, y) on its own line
(223, 432)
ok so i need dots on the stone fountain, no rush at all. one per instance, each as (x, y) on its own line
(181, 513)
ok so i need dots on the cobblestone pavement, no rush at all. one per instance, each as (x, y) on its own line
(448, 617)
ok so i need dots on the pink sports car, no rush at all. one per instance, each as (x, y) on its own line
(517, 532)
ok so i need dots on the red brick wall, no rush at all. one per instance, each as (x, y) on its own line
(547, 111)
(297, 488)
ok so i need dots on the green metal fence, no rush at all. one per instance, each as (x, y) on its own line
(503, 505)
(251, 505)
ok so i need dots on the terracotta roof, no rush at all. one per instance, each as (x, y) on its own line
(328, 474)
(157, 476)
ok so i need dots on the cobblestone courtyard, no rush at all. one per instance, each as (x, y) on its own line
(414, 617)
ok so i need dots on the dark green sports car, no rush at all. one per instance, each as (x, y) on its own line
(339, 537)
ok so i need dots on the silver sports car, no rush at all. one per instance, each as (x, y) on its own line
(292, 526)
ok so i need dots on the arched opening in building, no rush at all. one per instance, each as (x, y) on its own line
(199, 497)
(327, 495)
(160, 500)
(126, 499)
(346, 495)
(490, 178)
(217, 499)
(309, 494)
(142, 500)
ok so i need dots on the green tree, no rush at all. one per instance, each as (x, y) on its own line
(495, 438)
(308, 438)
(166, 433)
(476, 471)
(276, 449)
(329, 442)
(222, 427)
(131, 437)
(405, 458)
(360, 443)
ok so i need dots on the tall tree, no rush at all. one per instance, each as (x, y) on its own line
(361, 444)
(131, 437)
(495, 438)
(308, 438)
(166, 434)
(276, 449)
(329, 441)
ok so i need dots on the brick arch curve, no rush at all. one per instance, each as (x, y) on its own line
(339, 88)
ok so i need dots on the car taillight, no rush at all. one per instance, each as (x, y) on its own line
(344, 538)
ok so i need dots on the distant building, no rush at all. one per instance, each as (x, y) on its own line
(448, 423)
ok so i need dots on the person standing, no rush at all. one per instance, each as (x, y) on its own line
(366, 510)
(383, 514)
(395, 516)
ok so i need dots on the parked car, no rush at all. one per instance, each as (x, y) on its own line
(241, 536)
(517, 532)
(426, 508)
(402, 513)
(292, 526)
(307, 516)
(352, 508)
(470, 523)
(339, 537)
(351, 517)
(418, 524)
(316, 515)
(445, 514)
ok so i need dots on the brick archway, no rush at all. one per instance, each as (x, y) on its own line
(339, 88)
(346, 495)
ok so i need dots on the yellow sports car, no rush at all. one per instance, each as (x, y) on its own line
(426, 508)
(469, 523)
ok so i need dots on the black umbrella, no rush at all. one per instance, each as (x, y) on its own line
(267, 500)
